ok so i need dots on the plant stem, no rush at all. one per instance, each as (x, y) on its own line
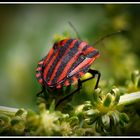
(129, 98)
(124, 100)
(8, 110)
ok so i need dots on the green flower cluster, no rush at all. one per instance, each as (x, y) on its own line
(13, 124)
(102, 112)
(105, 113)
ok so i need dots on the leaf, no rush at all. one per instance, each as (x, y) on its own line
(52, 107)
(105, 121)
(107, 100)
(114, 118)
(124, 119)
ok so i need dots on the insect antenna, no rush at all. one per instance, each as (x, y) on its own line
(106, 36)
(73, 27)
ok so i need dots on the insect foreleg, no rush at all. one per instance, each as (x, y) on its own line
(66, 97)
(94, 73)
(39, 93)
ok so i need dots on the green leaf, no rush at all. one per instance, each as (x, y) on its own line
(114, 116)
(105, 121)
(96, 94)
(116, 93)
(4, 118)
(107, 100)
(42, 107)
(16, 120)
(124, 117)
(135, 76)
(73, 121)
(52, 107)
(91, 116)
(20, 112)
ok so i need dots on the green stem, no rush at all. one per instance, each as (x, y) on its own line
(8, 110)
(129, 98)
(124, 100)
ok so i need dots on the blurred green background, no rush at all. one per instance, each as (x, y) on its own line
(27, 33)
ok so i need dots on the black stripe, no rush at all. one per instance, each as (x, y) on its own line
(50, 57)
(93, 54)
(60, 54)
(84, 70)
(66, 59)
(82, 58)
(85, 48)
(74, 65)
(55, 46)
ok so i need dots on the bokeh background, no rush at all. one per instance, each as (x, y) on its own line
(27, 32)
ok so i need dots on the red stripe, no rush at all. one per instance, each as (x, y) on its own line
(88, 50)
(59, 63)
(51, 62)
(67, 67)
(66, 83)
(63, 42)
(87, 61)
(82, 45)
(73, 59)
(48, 56)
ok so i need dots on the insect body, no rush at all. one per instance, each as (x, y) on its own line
(67, 61)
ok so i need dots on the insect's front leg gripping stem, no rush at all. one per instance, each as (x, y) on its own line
(94, 73)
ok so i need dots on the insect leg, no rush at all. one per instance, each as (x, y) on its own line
(39, 93)
(66, 97)
(94, 73)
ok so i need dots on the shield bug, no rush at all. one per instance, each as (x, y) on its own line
(67, 61)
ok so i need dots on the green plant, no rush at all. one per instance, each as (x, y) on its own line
(106, 113)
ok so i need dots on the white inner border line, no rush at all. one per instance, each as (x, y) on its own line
(69, 2)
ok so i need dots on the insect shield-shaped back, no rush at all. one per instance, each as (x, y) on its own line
(65, 63)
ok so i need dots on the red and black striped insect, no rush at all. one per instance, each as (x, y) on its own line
(67, 61)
